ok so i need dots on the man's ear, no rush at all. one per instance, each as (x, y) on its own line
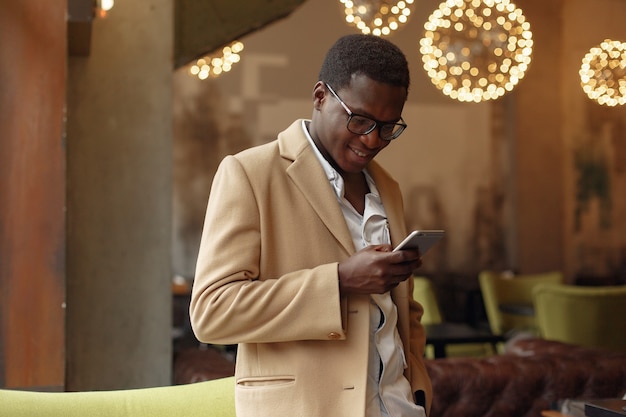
(319, 94)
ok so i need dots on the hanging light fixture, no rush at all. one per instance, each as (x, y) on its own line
(603, 73)
(215, 64)
(476, 50)
(377, 17)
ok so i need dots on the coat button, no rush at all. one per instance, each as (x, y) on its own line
(334, 336)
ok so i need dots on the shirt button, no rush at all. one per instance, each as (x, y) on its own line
(334, 336)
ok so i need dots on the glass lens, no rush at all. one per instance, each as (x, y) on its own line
(391, 131)
(361, 125)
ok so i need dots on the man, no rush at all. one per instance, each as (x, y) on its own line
(296, 261)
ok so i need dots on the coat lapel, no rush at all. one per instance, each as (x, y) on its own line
(308, 175)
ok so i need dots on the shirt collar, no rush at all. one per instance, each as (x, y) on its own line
(331, 173)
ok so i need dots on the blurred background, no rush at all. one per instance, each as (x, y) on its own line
(109, 138)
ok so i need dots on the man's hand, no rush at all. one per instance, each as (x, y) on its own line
(376, 269)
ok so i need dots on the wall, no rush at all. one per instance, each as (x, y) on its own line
(594, 147)
(32, 188)
(119, 201)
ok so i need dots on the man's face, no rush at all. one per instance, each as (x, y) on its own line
(349, 153)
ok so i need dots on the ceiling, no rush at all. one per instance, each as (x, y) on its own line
(200, 26)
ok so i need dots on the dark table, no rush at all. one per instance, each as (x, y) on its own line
(517, 309)
(441, 334)
(612, 407)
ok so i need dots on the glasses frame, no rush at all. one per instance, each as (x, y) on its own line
(377, 124)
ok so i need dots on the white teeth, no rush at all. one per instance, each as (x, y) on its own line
(359, 153)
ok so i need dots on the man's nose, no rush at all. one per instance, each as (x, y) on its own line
(373, 140)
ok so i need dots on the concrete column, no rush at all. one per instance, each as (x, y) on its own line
(119, 201)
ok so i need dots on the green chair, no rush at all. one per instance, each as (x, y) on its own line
(508, 299)
(202, 399)
(585, 316)
(424, 293)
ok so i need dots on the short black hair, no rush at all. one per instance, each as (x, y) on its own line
(372, 56)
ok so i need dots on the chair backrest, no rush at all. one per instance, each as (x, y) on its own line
(424, 294)
(208, 398)
(498, 288)
(586, 316)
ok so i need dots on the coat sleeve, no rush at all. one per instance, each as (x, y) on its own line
(231, 302)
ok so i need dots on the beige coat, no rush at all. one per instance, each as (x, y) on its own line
(266, 278)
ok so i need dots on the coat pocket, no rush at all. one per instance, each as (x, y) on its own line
(266, 381)
(268, 396)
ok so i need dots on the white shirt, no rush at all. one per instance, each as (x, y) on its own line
(388, 391)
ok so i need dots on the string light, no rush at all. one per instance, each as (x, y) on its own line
(377, 17)
(476, 50)
(216, 64)
(603, 73)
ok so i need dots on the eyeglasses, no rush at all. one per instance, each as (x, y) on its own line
(363, 125)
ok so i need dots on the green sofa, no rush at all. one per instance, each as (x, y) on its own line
(214, 398)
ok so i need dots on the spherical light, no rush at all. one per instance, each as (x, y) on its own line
(476, 50)
(377, 17)
(603, 73)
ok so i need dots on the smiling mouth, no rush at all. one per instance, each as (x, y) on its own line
(359, 153)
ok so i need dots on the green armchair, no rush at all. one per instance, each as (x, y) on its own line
(500, 290)
(424, 293)
(214, 398)
(585, 316)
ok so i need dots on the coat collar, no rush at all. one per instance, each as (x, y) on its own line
(294, 146)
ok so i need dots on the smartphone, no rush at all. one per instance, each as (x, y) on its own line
(422, 239)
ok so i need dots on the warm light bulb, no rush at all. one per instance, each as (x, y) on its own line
(103, 7)
(107, 5)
